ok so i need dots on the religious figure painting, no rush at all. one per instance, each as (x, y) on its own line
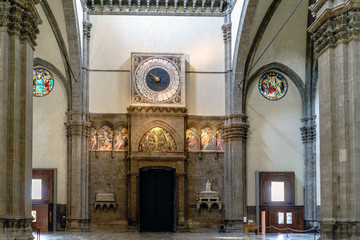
(219, 140)
(105, 137)
(157, 139)
(121, 140)
(93, 139)
(208, 139)
(273, 86)
(192, 139)
(43, 82)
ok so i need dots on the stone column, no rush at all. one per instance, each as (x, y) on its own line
(308, 133)
(18, 29)
(78, 129)
(235, 134)
(337, 47)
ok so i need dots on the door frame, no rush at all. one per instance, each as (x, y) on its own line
(172, 171)
(54, 197)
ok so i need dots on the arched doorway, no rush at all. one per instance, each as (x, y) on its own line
(157, 199)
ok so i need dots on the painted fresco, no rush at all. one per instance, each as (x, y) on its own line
(208, 139)
(157, 140)
(273, 86)
(43, 82)
(121, 139)
(220, 140)
(105, 136)
(192, 139)
(93, 139)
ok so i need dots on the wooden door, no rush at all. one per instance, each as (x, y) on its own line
(42, 199)
(156, 200)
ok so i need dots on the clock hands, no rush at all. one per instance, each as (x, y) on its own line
(154, 77)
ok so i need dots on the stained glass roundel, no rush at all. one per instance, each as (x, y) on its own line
(43, 82)
(273, 86)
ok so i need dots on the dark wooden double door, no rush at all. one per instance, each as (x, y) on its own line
(157, 200)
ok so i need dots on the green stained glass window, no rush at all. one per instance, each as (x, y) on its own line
(43, 82)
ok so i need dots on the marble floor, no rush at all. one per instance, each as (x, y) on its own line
(174, 236)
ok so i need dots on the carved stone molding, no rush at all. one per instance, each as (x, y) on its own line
(308, 133)
(235, 131)
(20, 19)
(87, 29)
(78, 128)
(78, 124)
(334, 26)
(226, 31)
(154, 109)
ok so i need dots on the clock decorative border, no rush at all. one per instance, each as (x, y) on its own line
(137, 98)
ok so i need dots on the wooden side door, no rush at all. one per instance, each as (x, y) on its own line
(42, 199)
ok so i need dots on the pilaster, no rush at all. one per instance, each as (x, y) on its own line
(337, 48)
(235, 135)
(78, 132)
(308, 134)
(18, 29)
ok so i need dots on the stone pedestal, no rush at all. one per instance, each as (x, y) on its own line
(337, 46)
(18, 30)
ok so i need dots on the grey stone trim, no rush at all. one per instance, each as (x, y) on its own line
(281, 68)
(242, 44)
(39, 62)
(180, 14)
(75, 60)
(260, 32)
(214, 7)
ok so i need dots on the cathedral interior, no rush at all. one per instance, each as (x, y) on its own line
(179, 116)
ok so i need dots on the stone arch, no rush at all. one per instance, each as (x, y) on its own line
(158, 123)
(279, 67)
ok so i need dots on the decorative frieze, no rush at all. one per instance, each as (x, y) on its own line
(335, 29)
(156, 109)
(20, 20)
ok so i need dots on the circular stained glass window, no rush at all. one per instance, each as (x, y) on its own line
(43, 82)
(273, 86)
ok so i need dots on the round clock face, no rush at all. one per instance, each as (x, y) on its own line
(157, 79)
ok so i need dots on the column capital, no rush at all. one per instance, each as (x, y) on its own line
(235, 131)
(335, 22)
(308, 133)
(21, 18)
(87, 29)
(78, 124)
(226, 27)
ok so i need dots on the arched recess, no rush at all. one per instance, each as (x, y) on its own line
(292, 75)
(39, 62)
(135, 141)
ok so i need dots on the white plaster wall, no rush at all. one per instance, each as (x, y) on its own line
(113, 38)
(47, 47)
(235, 20)
(49, 135)
(318, 182)
(274, 138)
(289, 47)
